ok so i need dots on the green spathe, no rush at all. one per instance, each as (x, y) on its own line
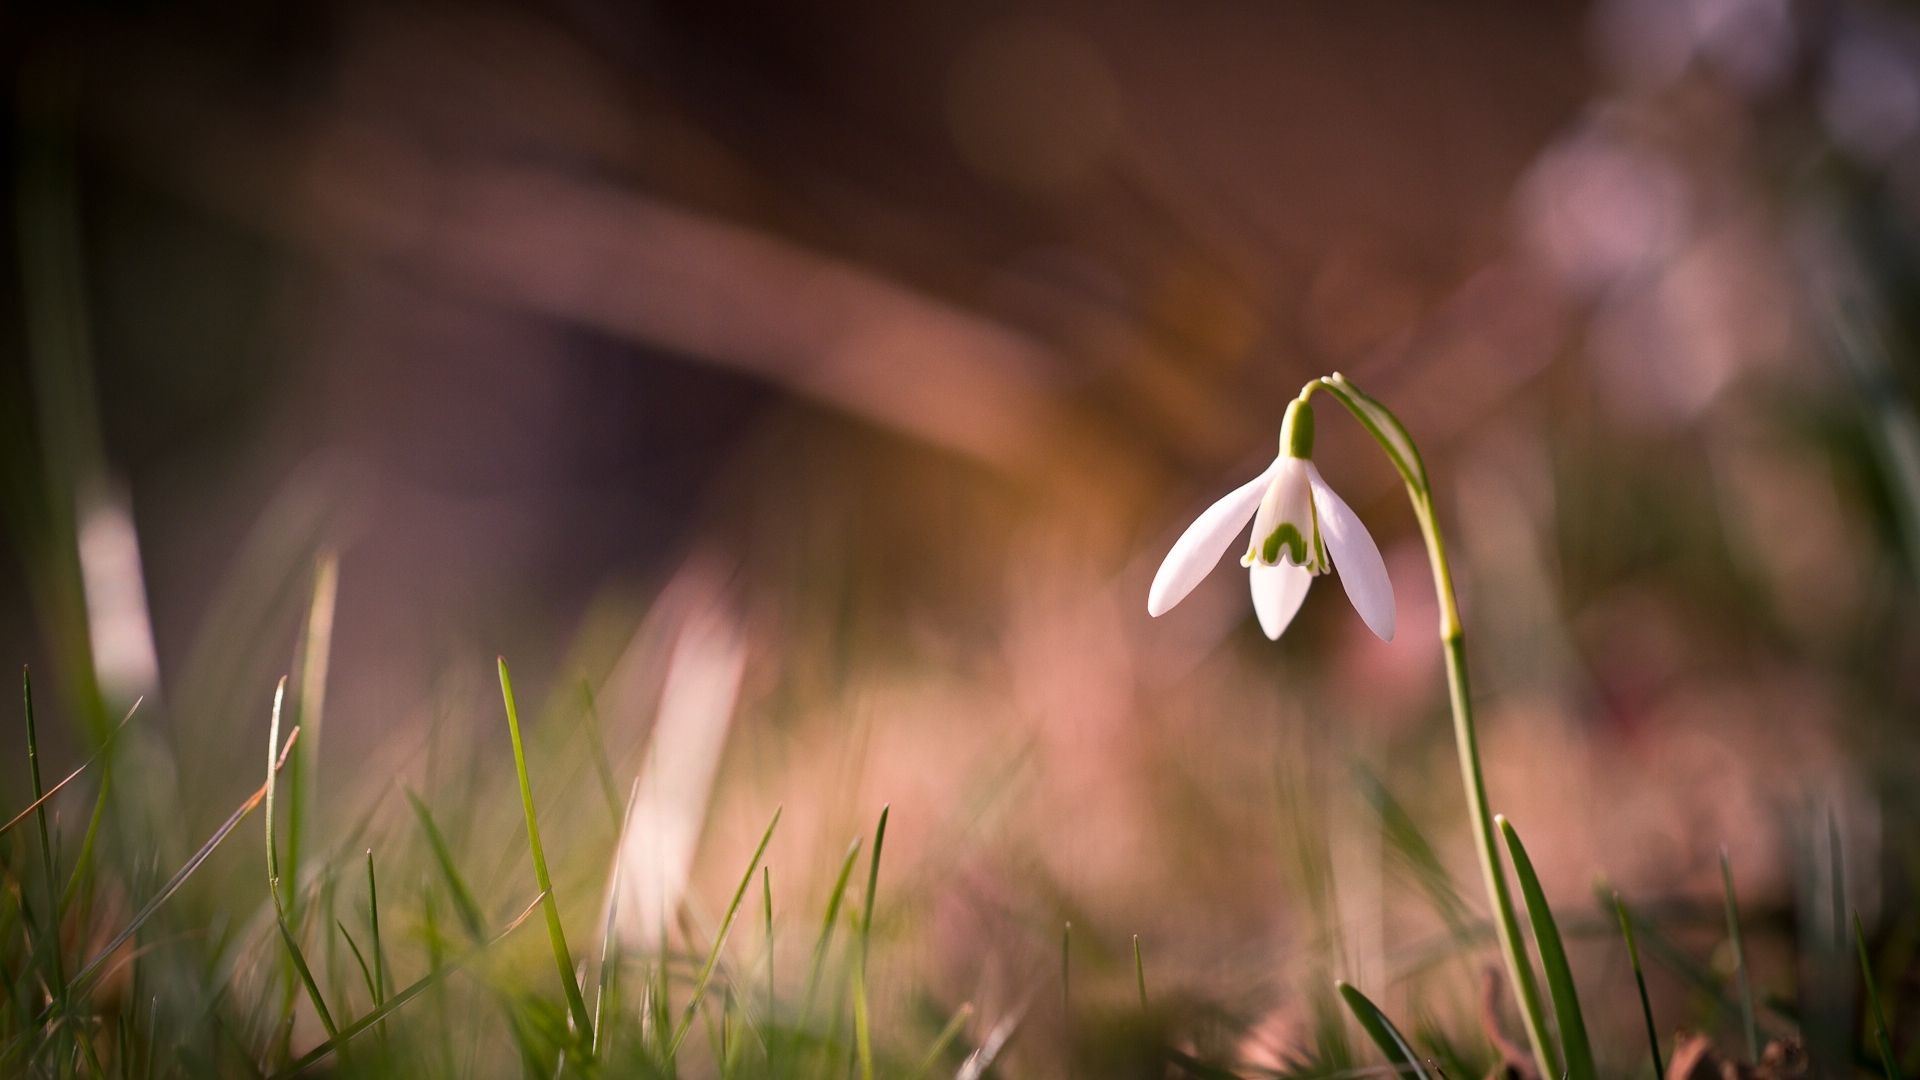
(1296, 431)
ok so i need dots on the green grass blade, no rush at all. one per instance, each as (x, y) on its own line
(609, 947)
(766, 931)
(373, 929)
(873, 883)
(561, 957)
(273, 786)
(1640, 980)
(862, 1025)
(1740, 971)
(83, 863)
(306, 979)
(1577, 1051)
(34, 807)
(426, 982)
(55, 968)
(955, 1026)
(1882, 1034)
(1416, 853)
(1139, 972)
(194, 862)
(273, 869)
(1383, 1033)
(602, 765)
(719, 942)
(360, 959)
(609, 969)
(835, 898)
(1066, 989)
(464, 904)
(303, 770)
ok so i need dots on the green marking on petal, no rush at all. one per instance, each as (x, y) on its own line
(1287, 536)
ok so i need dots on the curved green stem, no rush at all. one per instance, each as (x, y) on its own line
(1392, 436)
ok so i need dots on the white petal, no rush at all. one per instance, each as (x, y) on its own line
(1277, 593)
(1200, 547)
(1362, 572)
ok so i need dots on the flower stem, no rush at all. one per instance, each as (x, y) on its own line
(1392, 436)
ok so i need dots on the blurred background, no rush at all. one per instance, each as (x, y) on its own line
(836, 376)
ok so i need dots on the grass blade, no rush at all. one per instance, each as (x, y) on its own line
(1416, 853)
(602, 765)
(1139, 972)
(1577, 1051)
(373, 927)
(464, 904)
(1066, 989)
(561, 957)
(719, 942)
(766, 907)
(945, 1039)
(873, 881)
(306, 979)
(273, 772)
(1739, 958)
(273, 870)
(1383, 1033)
(835, 898)
(1640, 980)
(41, 800)
(360, 958)
(1882, 1036)
(424, 983)
(180, 876)
(609, 966)
(304, 770)
(862, 1031)
(54, 967)
(83, 863)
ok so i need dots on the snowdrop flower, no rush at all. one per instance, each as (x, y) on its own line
(1301, 529)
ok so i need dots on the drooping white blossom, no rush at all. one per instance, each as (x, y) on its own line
(1301, 529)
